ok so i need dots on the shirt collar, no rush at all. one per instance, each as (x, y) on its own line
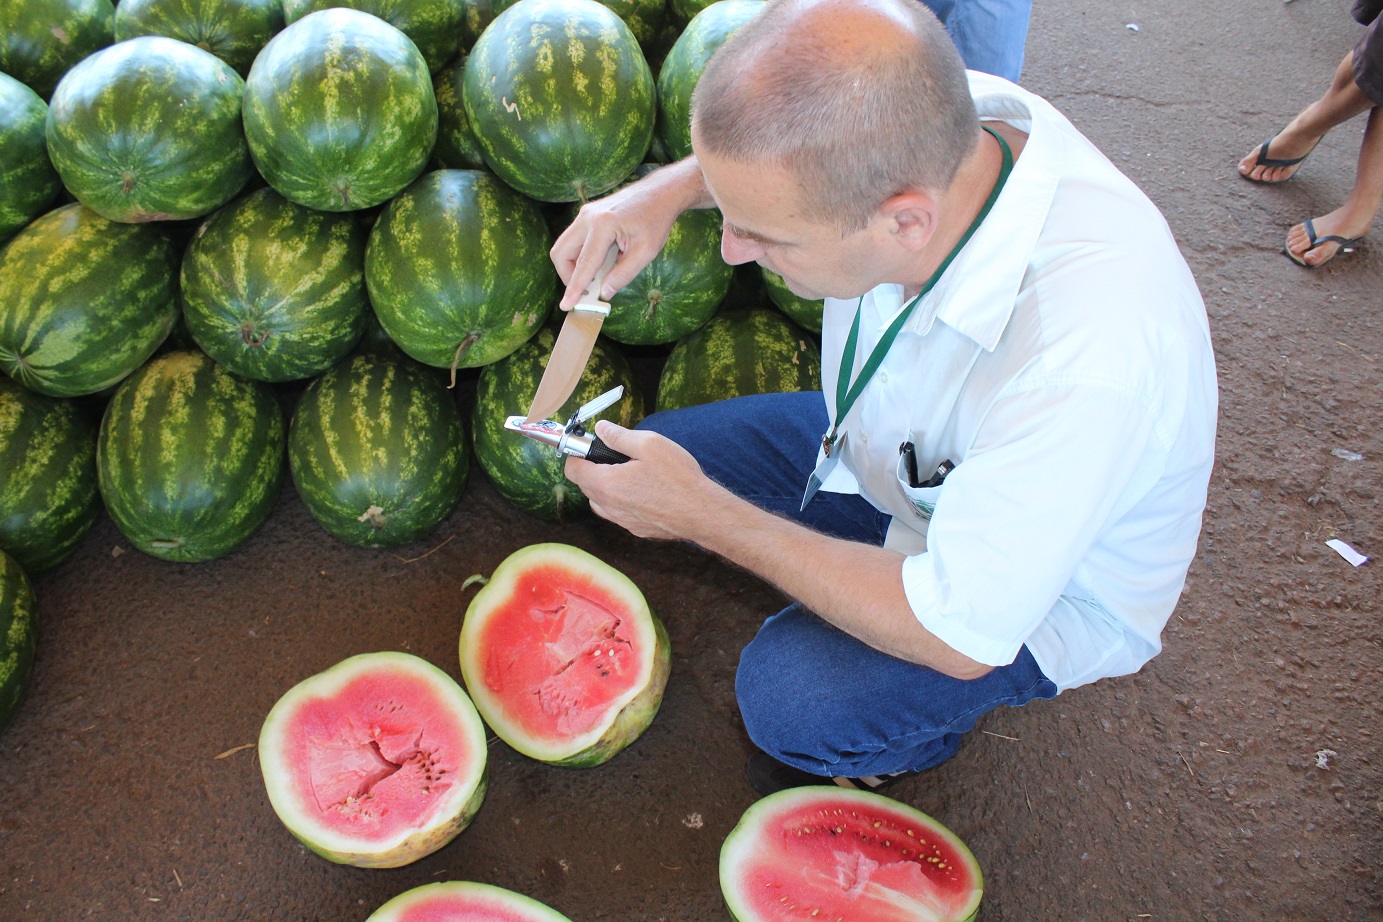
(977, 293)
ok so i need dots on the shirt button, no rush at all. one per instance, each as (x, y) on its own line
(883, 376)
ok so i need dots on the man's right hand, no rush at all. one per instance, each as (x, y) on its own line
(638, 218)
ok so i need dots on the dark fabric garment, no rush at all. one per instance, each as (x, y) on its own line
(812, 696)
(1366, 11)
(1368, 56)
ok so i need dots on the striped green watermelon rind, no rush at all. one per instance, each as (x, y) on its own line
(581, 620)
(40, 40)
(679, 290)
(433, 26)
(643, 17)
(682, 12)
(561, 99)
(339, 111)
(233, 30)
(804, 312)
(149, 130)
(48, 497)
(457, 147)
(825, 852)
(378, 451)
(18, 636)
(737, 354)
(530, 474)
(478, 16)
(84, 301)
(275, 291)
(458, 269)
(464, 900)
(190, 457)
(28, 182)
(376, 762)
(682, 68)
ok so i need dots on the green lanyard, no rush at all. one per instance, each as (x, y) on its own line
(848, 393)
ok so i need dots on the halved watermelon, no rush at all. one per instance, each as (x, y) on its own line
(463, 901)
(563, 657)
(825, 852)
(376, 762)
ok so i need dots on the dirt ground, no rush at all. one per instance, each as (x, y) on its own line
(1236, 778)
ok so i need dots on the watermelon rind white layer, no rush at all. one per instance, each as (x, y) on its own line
(761, 831)
(455, 809)
(629, 714)
(464, 901)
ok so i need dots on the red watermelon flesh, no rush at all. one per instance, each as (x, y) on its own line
(577, 656)
(562, 656)
(826, 853)
(463, 901)
(375, 762)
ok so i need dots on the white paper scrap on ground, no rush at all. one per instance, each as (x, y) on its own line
(1344, 550)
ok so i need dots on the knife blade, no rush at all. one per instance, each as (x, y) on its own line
(573, 347)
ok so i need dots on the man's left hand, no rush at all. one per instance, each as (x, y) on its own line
(658, 493)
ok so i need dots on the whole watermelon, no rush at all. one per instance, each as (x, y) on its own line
(378, 451)
(40, 40)
(560, 98)
(457, 147)
(28, 182)
(339, 111)
(276, 291)
(528, 473)
(433, 25)
(233, 30)
(189, 457)
(739, 353)
(84, 301)
(458, 269)
(682, 68)
(48, 495)
(149, 130)
(643, 17)
(18, 636)
(679, 290)
(804, 312)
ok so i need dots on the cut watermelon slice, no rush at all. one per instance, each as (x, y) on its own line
(375, 762)
(563, 657)
(464, 901)
(829, 854)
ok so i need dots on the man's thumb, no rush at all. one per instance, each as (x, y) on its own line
(612, 434)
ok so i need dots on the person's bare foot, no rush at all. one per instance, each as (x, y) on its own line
(1300, 247)
(1286, 150)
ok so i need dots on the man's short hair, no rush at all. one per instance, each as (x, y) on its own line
(853, 128)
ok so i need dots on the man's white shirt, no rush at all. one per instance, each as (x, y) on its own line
(1063, 364)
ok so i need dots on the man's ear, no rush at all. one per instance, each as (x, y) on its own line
(911, 218)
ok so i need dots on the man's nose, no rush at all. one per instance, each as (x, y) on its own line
(735, 250)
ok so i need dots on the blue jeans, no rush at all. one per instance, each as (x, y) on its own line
(990, 34)
(811, 695)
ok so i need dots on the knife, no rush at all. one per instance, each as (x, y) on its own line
(573, 346)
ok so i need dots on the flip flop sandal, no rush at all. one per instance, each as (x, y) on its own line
(1345, 245)
(1261, 158)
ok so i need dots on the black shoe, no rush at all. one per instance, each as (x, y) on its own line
(769, 776)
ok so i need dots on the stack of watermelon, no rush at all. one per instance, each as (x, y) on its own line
(292, 184)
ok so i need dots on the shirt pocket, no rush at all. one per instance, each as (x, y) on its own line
(922, 500)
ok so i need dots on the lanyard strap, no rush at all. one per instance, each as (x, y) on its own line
(847, 392)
